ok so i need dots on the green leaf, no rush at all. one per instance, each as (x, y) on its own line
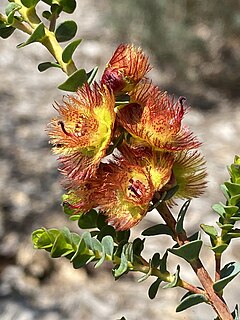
(190, 301)
(157, 229)
(61, 247)
(228, 273)
(235, 313)
(81, 260)
(88, 220)
(69, 50)
(123, 267)
(210, 230)
(155, 261)
(80, 250)
(175, 281)
(138, 246)
(108, 245)
(46, 65)
(66, 31)
(74, 81)
(163, 263)
(154, 288)
(86, 236)
(106, 231)
(181, 216)
(233, 188)
(68, 6)
(91, 75)
(10, 11)
(29, 3)
(147, 275)
(224, 191)
(47, 15)
(36, 36)
(218, 208)
(101, 221)
(220, 248)
(123, 236)
(189, 251)
(5, 31)
(235, 200)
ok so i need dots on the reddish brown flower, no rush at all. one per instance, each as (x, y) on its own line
(83, 131)
(154, 117)
(126, 68)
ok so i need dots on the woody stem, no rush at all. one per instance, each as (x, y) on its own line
(216, 302)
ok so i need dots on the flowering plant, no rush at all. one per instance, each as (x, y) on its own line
(124, 152)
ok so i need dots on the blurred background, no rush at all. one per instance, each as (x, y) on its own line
(194, 47)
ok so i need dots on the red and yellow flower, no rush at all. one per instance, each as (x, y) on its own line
(83, 131)
(154, 117)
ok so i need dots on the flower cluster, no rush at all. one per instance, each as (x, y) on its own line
(122, 145)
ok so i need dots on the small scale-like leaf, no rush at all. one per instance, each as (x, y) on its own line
(29, 3)
(47, 14)
(220, 248)
(108, 244)
(88, 220)
(86, 236)
(69, 50)
(61, 247)
(190, 301)
(234, 200)
(82, 260)
(74, 81)
(189, 251)
(10, 11)
(228, 273)
(36, 36)
(163, 263)
(233, 188)
(123, 235)
(6, 31)
(175, 281)
(138, 246)
(226, 226)
(68, 5)
(154, 288)
(46, 65)
(181, 216)
(210, 230)
(123, 267)
(219, 209)
(235, 313)
(106, 231)
(155, 261)
(157, 230)
(66, 31)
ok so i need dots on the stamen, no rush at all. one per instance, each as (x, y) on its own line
(63, 128)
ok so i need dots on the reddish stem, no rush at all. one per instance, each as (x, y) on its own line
(216, 302)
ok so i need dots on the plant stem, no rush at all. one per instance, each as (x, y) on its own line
(216, 302)
(49, 41)
(167, 277)
(217, 266)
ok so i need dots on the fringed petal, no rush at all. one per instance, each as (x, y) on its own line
(189, 173)
(83, 131)
(156, 118)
